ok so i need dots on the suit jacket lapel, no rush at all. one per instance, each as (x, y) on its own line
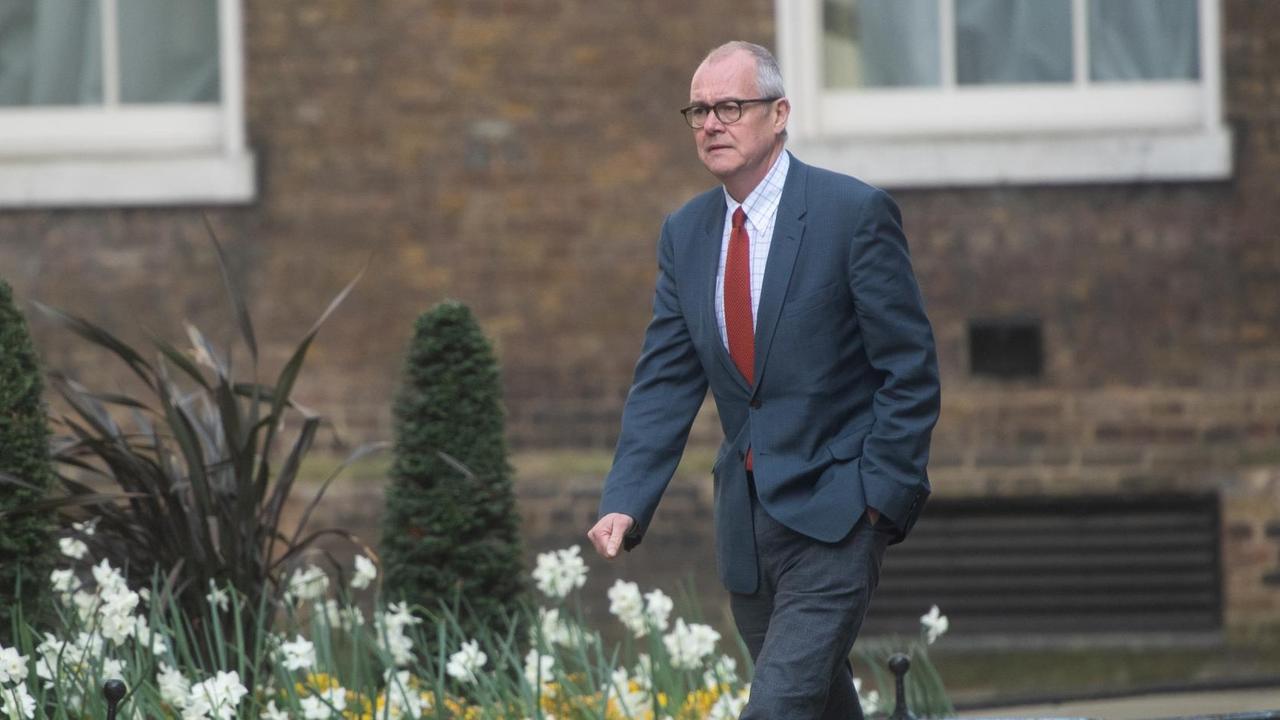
(788, 231)
(713, 231)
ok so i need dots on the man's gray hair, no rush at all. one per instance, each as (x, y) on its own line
(768, 74)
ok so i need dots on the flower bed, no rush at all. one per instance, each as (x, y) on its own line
(322, 658)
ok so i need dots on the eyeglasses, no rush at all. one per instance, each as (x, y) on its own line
(727, 111)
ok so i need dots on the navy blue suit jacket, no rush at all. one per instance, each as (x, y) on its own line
(846, 387)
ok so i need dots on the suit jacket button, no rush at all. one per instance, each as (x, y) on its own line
(755, 404)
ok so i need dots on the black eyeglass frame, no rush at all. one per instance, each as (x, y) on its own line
(732, 102)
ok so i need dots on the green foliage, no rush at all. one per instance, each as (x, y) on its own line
(450, 527)
(197, 485)
(24, 454)
(926, 694)
(321, 651)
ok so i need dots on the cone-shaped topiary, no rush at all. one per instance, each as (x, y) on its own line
(449, 531)
(25, 539)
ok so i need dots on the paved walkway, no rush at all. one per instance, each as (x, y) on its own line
(1141, 707)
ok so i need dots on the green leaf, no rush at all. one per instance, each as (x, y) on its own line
(101, 337)
(180, 360)
(233, 293)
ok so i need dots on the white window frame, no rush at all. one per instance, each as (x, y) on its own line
(117, 154)
(1008, 134)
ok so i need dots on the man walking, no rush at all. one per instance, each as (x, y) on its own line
(789, 292)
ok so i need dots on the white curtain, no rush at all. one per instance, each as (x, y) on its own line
(1013, 41)
(1144, 40)
(51, 51)
(881, 43)
(168, 51)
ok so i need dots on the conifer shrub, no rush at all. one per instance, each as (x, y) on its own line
(450, 531)
(25, 540)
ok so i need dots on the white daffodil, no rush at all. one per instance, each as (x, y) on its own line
(728, 707)
(113, 668)
(935, 624)
(657, 609)
(18, 703)
(86, 606)
(174, 687)
(271, 712)
(870, 702)
(64, 582)
(398, 615)
(689, 644)
(48, 653)
(116, 620)
(391, 635)
(110, 580)
(313, 708)
(464, 664)
(560, 572)
(402, 700)
(639, 613)
(309, 583)
(196, 709)
(13, 667)
(218, 597)
(366, 572)
(299, 654)
(723, 672)
(633, 695)
(644, 672)
(555, 631)
(347, 618)
(218, 696)
(626, 603)
(149, 638)
(538, 670)
(327, 704)
(73, 548)
(88, 646)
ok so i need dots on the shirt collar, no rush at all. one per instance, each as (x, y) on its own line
(765, 197)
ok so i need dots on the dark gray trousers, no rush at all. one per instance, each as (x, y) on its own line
(801, 622)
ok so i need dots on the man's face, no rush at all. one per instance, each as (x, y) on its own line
(744, 148)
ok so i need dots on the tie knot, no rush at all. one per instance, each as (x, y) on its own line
(739, 217)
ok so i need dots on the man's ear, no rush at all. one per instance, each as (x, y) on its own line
(782, 111)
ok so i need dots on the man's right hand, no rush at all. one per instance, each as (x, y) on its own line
(607, 534)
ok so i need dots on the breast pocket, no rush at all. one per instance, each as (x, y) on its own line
(810, 301)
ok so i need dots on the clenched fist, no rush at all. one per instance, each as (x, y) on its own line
(607, 533)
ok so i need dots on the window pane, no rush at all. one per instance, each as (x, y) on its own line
(879, 43)
(168, 51)
(50, 52)
(1144, 40)
(1013, 41)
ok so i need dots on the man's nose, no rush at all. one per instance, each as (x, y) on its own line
(712, 124)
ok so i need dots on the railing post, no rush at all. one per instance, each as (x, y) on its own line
(113, 691)
(898, 665)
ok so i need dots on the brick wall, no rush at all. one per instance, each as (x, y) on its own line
(520, 155)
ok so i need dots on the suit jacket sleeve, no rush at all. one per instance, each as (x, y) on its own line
(899, 345)
(668, 389)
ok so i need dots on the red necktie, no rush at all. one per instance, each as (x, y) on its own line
(737, 302)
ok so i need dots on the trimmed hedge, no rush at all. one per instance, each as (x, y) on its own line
(449, 532)
(25, 540)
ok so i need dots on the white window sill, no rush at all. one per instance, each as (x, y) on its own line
(127, 181)
(1197, 154)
